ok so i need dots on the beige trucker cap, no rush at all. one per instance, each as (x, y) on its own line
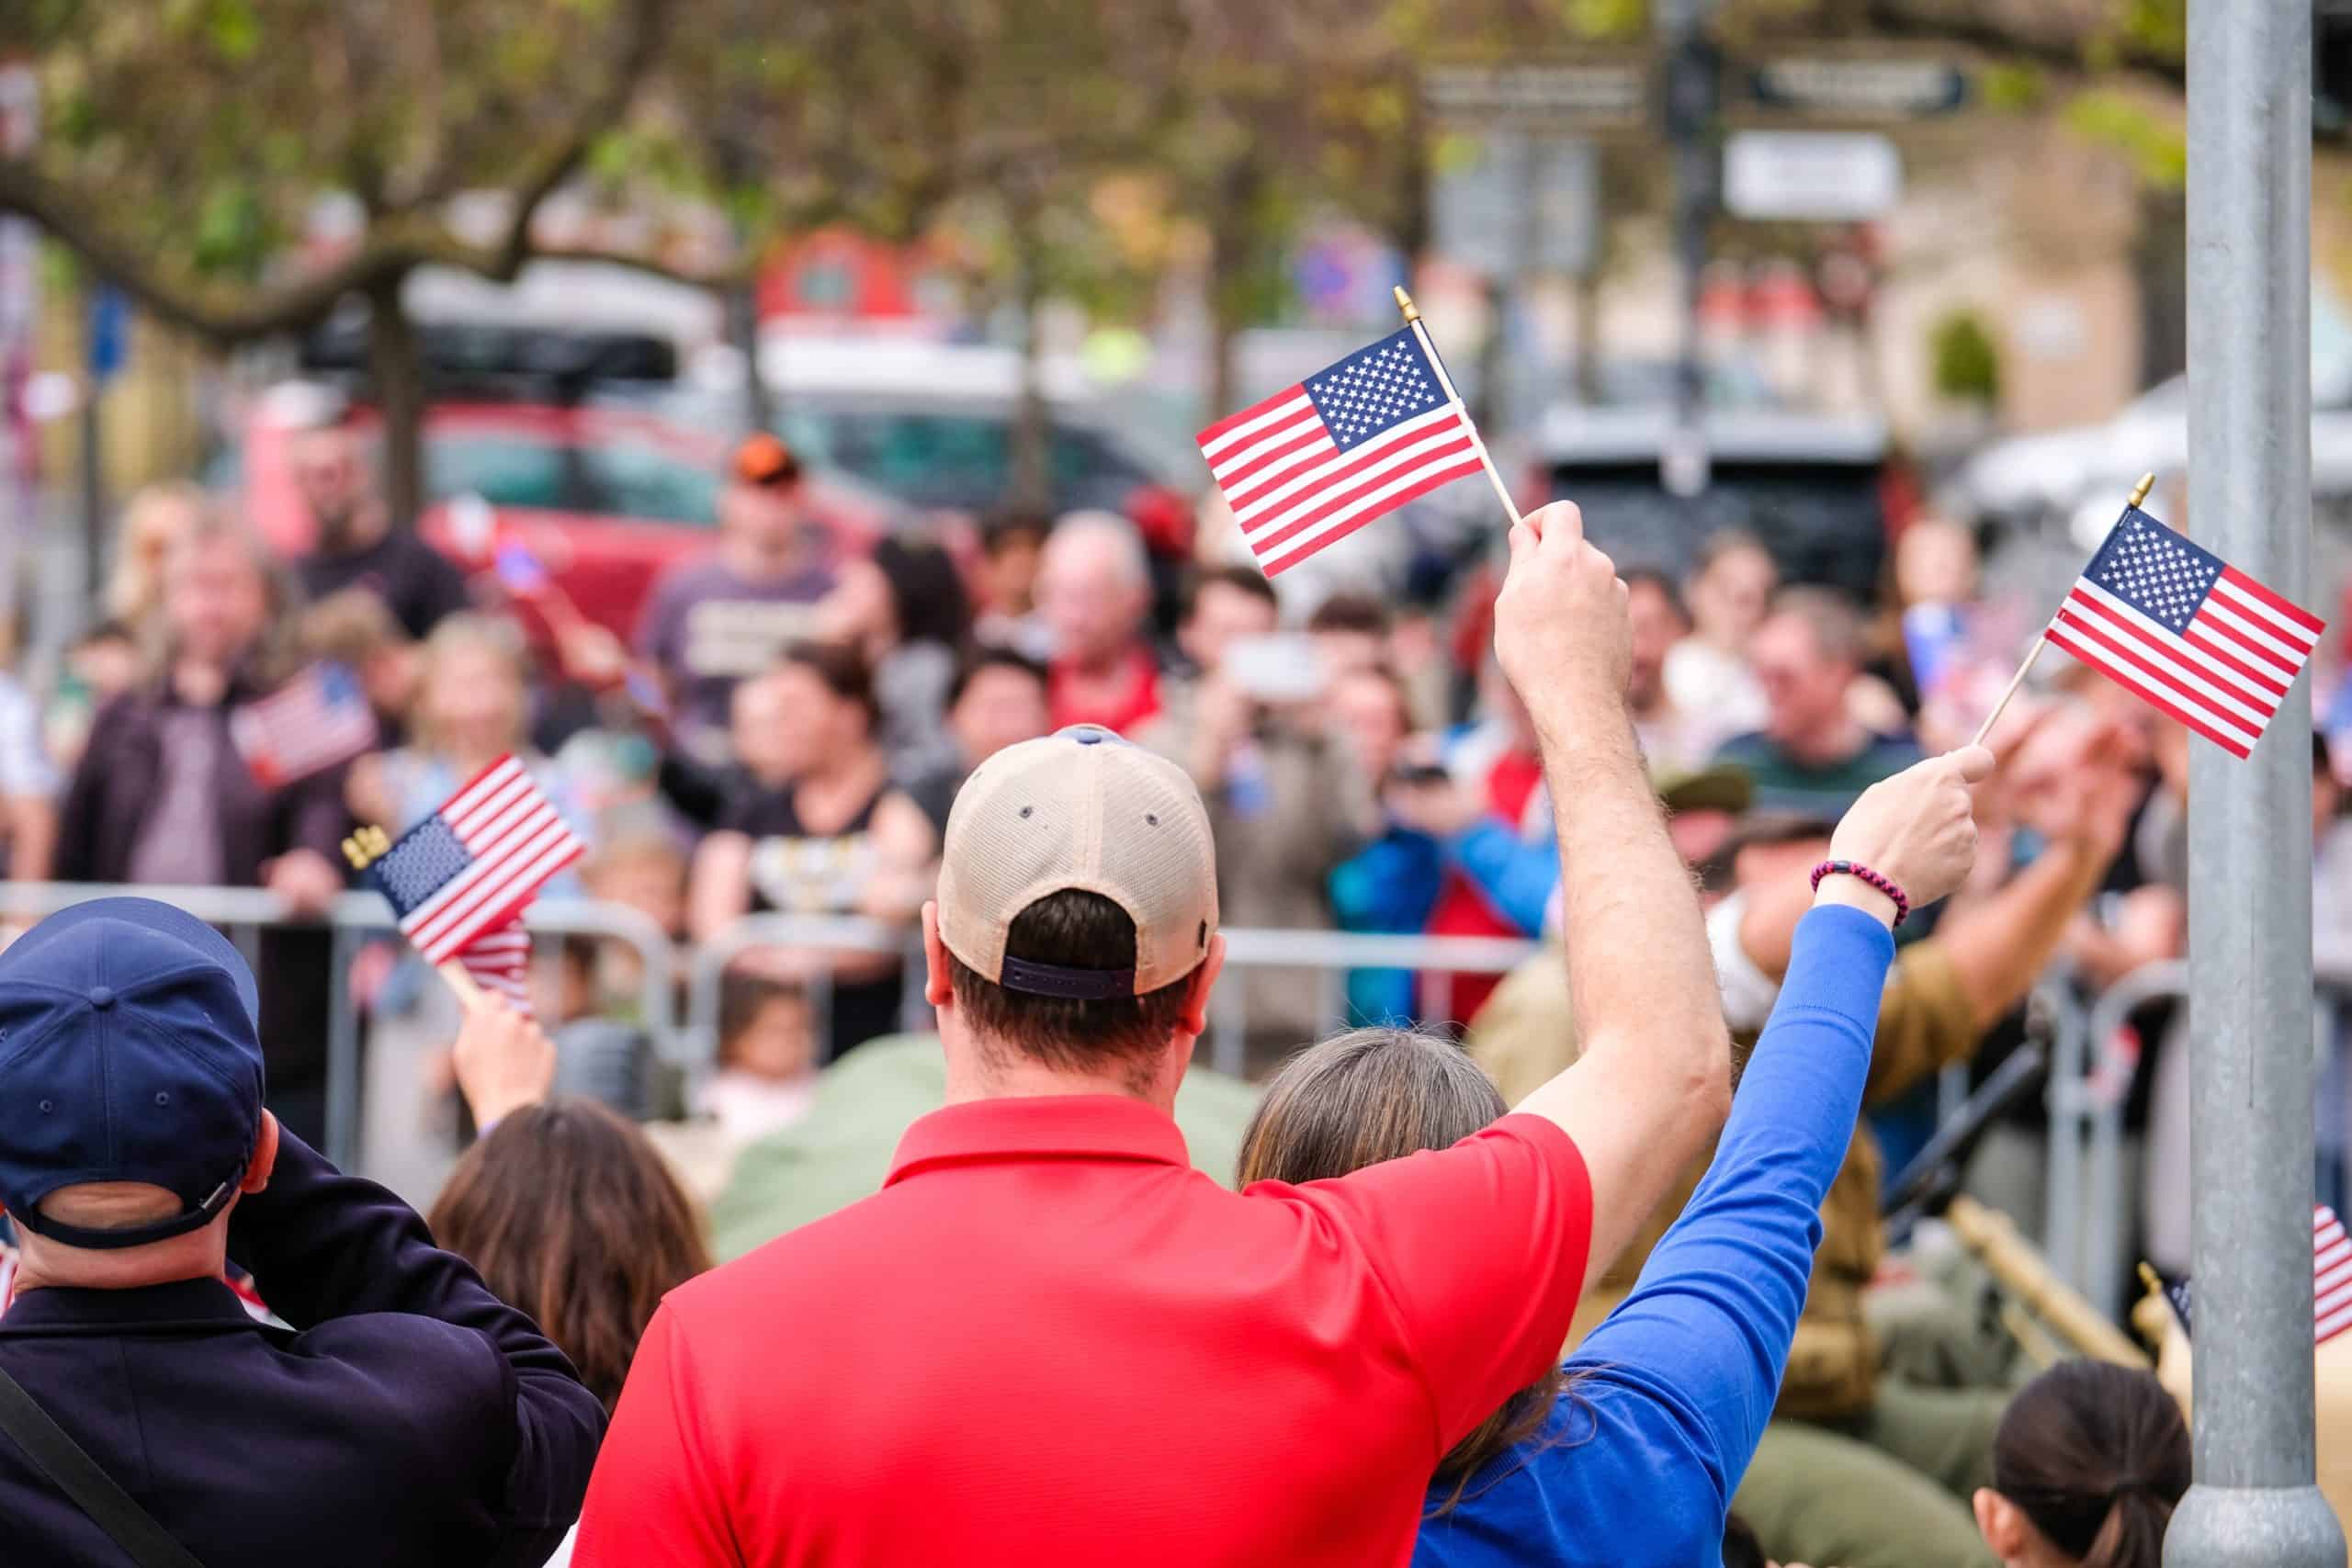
(1080, 808)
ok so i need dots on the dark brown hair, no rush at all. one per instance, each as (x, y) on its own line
(742, 999)
(571, 1217)
(1076, 930)
(1349, 612)
(2096, 1456)
(841, 669)
(1372, 1095)
(1247, 580)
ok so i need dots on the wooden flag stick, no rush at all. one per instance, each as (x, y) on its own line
(2139, 493)
(1494, 475)
(469, 995)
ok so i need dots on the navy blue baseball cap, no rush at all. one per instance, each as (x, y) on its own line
(128, 1052)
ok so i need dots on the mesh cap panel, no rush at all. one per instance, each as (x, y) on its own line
(1080, 809)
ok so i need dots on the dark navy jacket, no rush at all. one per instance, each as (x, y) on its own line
(411, 1417)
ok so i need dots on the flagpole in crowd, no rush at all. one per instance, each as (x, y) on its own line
(2139, 494)
(2254, 1500)
(1422, 333)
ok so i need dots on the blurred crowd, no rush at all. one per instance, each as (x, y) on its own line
(782, 733)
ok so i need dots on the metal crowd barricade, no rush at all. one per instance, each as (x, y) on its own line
(245, 912)
(695, 1045)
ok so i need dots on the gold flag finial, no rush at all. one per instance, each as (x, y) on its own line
(1405, 303)
(366, 847)
(2140, 491)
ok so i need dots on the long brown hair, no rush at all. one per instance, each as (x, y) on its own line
(570, 1216)
(1372, 1095)
(2096, 1456)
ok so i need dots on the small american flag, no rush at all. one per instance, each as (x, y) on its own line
(471, 866)
(313, 722)
(2185, 631)
(1316, 461)
(2331, 1278)
(499, 960)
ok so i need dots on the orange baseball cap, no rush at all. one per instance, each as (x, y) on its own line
(761, 460)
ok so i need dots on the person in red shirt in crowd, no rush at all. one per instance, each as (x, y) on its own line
(1048, 1338)
(1095, 591)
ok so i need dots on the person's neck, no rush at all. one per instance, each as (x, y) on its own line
(1827, 747)
(749, 561)
(1005, 1074)
(364, 530)
(854, 772)
(199, 682)
(117, 1271)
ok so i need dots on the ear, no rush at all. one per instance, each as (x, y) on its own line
(936, 990)
(265, 1158)
(1195, 1021)
(1998, 1522)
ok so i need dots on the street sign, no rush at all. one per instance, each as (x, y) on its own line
(1521, 203)
(1859, 89)
(1811, 176)
(1611, 92)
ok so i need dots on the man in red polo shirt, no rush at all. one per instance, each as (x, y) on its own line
(1048, 1339)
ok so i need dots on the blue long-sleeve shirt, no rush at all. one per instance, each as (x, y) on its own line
(1667, 1398)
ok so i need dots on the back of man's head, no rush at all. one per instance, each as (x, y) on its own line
(130, 1094)
(1077, 907)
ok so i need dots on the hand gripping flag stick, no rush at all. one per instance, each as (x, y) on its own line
(1412, 313)
(2139, 493)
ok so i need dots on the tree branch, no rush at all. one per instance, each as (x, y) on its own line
(1967, 23)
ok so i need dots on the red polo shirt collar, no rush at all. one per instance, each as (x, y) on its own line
(1080, 1126)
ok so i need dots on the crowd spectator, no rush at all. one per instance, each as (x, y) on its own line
(710, 623)
(904, 610)
(138, 1161)
(836, 837)
(101, 665)
(161, 796)
(1389, 886)
(1287, 800)
(1812, 754)
(1351, 633)
(1673, 740)
(1636, 1465)
(1095, 591)
(1729, 589)
(767, 1059)
(2087, 1467)
(1013, 544)
(358, 542)
(1047, 1212)
(151, 522)
(28, 785)
(353, 630)
(998, 698)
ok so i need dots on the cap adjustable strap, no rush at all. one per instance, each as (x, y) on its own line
(1069, 985)
(114, 1240)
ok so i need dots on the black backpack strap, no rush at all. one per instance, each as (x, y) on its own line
(77, 1475)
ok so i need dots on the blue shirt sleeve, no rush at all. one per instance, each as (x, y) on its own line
(1710, 1320)
(1516, 874)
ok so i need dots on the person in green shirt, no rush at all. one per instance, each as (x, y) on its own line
(1812, 755)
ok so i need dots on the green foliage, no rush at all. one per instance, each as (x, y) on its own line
(1965, 363)
(2011, 85)
(2157, 147)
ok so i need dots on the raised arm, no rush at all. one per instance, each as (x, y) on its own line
(1654, 1081)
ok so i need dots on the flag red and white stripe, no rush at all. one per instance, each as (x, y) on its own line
(2331, 1276)
(499, 960)
(472, 866)
(315, 721)
(1316, 461)
(2186, 632)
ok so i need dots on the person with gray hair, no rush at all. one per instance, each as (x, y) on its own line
(1095, 591)
(1812, 755)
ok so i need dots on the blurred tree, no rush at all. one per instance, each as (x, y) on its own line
(1966, 364)
(241, 166)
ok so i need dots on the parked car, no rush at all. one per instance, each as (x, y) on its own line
(604, 497)
(1819, 490)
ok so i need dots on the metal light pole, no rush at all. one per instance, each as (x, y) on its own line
(2250, 844)
(1692, 84)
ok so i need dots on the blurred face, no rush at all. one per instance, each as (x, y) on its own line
(1001, 706)
(1805, 693)
(215, 601)
(813, 726)
(1656, 628)
(1091, 602)
(650, 881)
(1936, 564)
(473, 701)
(777, 1042)
(756, 726)
(859, 610)
(763, 519)
(1366, 708)
(105, 668)
(330, 473)
(1009, 575)
(1729, 598)
(1221, 615)
(1698, 833)
(1344, 653)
